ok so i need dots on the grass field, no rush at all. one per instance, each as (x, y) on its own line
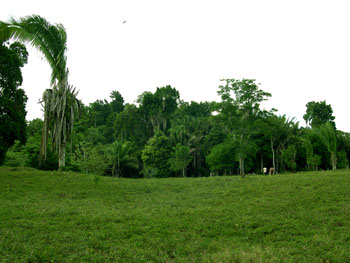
(71, 217)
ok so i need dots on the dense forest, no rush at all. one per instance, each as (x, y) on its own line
(159, 135)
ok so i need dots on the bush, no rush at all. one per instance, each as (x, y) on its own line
(16, 159)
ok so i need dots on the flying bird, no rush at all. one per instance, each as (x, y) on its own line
(124, 22)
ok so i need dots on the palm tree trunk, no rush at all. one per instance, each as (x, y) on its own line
(43, 145)
(62, 156)
(118, 168)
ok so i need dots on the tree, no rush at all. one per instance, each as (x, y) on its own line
(327, 135)
(221, 158)
(117, 103)
(155, 156)
(90, 158)
(60, 109)
(99, 112)
(318, 113)
(343, 147)
(244, 147)
(59, 102)
(312, 160)
(240, 109)
(288, 157)
(280, 131)
(262, 142)
(156, 109)
(191, 131)
(12, 98)
(179, 135)
(193, 109)
(180, 158)
(121, 155)
(116, 106)
(128, 125)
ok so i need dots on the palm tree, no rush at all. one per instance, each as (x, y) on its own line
(328, 136)
(121, 154)
(59, 102)
(280, 131)
(60, 108)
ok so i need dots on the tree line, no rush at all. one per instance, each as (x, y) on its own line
(159, 135)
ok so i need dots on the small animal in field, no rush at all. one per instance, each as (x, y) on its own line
(272, 171)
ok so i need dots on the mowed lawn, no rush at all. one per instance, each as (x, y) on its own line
(72, 217)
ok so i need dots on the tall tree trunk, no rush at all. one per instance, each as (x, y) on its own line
(62, 156)
(243, 171)
(118, 168)
(334, 161)
(183, 171)
(113, 170)
(241, 166)
(273, 156)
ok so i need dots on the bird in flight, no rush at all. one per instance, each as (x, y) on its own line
(124, 22)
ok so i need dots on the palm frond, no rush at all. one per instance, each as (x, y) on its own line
(51, 40)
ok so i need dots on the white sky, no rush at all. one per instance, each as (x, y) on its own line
(299, 50)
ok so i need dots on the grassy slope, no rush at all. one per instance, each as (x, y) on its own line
(53, 217)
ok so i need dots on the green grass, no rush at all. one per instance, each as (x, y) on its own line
(71, 217)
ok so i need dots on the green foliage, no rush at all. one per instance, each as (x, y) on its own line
(327, 135)
(128, 126)
(179, 135)
(12, 98)
(343, 142)
(28, 155)
(99, 112)
(246, 94)
(194, 109)
(240, 110)
(318, 113)
(34, 127)
(50, 40)
(121, 154)
(342, 160)
(156, 109)
(156, 154)
(117, 103)
(214, 136)
(314, 161)
(221, 158)
(90, 158)
(59, 103)
(93, 135)
(32, 149)
(15, 156)
(288, 157)
(281, 131)
(180, 158)
(60, 107)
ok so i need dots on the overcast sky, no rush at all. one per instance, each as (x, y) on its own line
(299, 50)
